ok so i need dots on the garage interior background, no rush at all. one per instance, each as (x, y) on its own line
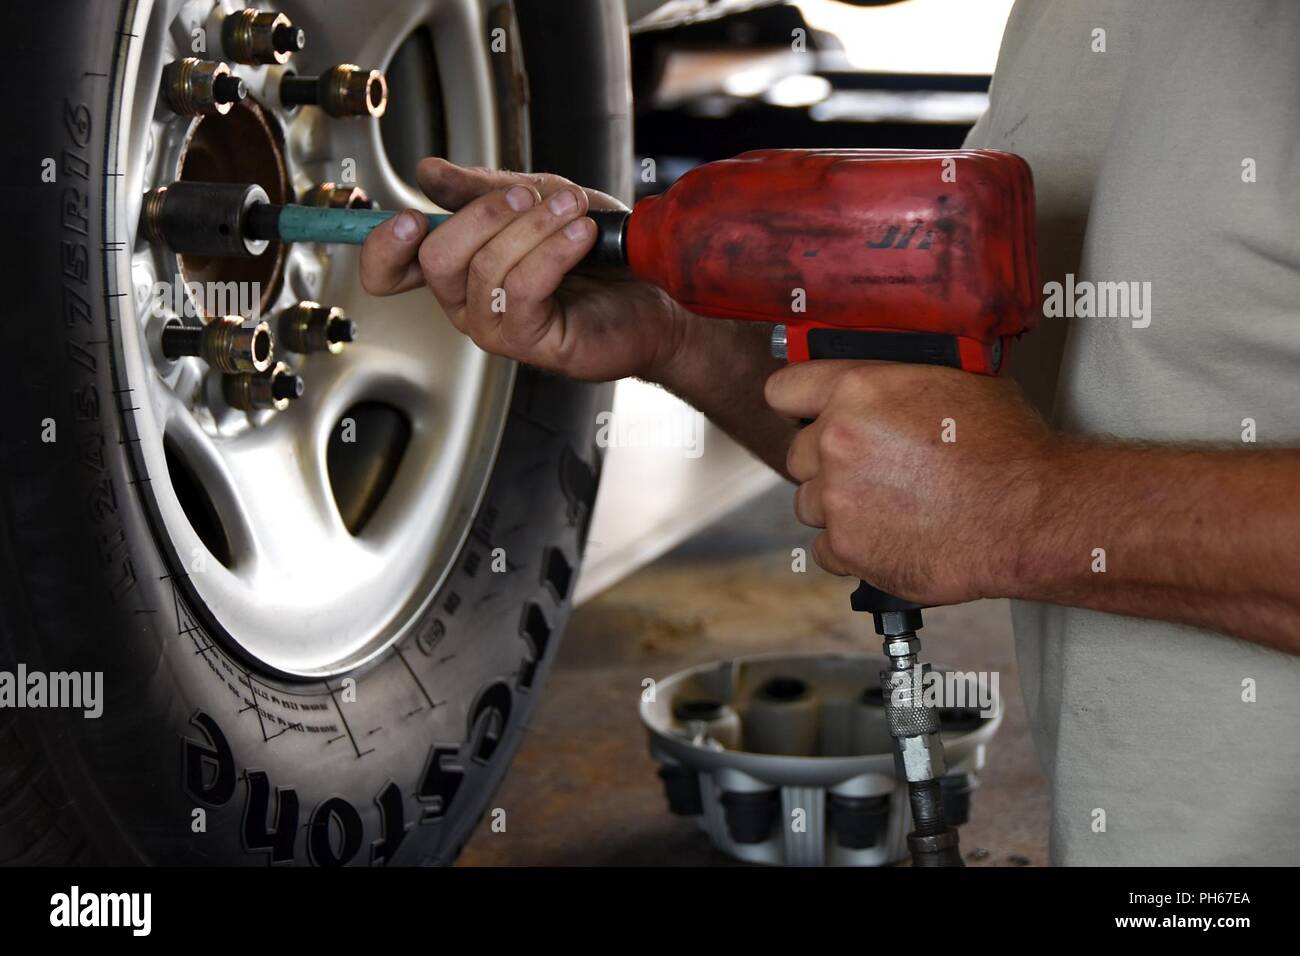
(689, 558)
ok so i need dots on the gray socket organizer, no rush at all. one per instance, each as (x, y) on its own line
(744, 744)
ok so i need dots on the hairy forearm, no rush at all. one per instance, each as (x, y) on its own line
(720, 367)
(1203, 537)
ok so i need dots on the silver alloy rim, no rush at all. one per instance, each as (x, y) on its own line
(302, 595)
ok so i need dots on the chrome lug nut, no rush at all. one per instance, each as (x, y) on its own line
(343, 90)
(274, 388)
(225, 343)
(336, 196)
(311, 327)
(194, 87)
(260, 37)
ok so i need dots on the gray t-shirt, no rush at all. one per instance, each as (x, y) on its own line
(1165, 149)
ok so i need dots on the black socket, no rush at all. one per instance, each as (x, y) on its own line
(858, 822)
(204, 219)
(682, 790)
(751, 815)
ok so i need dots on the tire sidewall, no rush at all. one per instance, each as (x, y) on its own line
(199, 757)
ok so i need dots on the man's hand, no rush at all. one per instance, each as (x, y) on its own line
(1202, 536)
(499, 270)
(511, 244)
(924, 478)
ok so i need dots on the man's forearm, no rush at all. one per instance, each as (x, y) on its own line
(720, 367)
(1208, 538)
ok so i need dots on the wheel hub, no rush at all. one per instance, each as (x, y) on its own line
(243, 146)
(309, 515)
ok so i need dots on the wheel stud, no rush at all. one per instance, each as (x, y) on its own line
(311, 327)
(343, 90)
(274, 388)
(194, 87)
(335, 196)
(260, 37)
(225, 343)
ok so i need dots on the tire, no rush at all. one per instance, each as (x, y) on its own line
(200, 756)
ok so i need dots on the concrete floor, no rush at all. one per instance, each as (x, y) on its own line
(582, 789)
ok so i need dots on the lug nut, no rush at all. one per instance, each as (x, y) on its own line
(343, 90)
(338, 197)
(225, 343)
(194, 87)
(260, 36)
(274, 388)
(311, 327)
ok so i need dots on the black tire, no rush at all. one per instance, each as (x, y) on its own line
(283, 772)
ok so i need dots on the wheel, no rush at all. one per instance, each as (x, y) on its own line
(320, 624)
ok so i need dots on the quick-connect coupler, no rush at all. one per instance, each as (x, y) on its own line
(260, 37)
(311, 327)
(225, 343)
(343, 90)
(913, 722)
(194, 87)
(272, 389)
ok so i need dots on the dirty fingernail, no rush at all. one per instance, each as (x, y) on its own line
(576, 230)
(563, 202)
(405, 227)
(519, 198)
